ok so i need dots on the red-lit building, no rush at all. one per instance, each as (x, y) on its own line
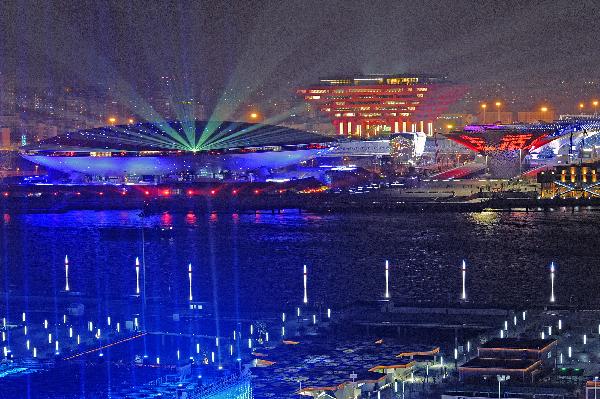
(488, 139)
(371, 105)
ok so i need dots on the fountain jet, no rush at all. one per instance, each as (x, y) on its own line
(305, 293)
(464, 275)
(552, 270)
(387, 279)
(190, 278)
(67, 273)
(137, 275)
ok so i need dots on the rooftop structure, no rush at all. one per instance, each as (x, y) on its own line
(371, 105)
(516, 348)
(518, 358)
(491, 367)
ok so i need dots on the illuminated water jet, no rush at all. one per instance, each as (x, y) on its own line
(137, 275)
(464, 275)
(67, 288)
(387, 279)
(190, 280)
(305, 300)
(552, 270)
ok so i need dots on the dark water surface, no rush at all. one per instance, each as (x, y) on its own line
(255, 261)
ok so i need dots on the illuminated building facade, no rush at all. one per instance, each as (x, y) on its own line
(570, 181)
(372, 105)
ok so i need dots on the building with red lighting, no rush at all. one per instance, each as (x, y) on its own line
(505, 146)
(489, 139)
(372, 105)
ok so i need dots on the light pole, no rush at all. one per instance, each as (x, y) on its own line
(484, 106)
(500, 379)
(581, 105)
(595, 386)
(498, 104)
(544, 110)
(595, 104)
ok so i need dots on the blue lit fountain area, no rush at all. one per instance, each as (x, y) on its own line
(72, 345)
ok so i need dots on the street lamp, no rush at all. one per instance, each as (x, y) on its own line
(581, 105)
(595, 104)
(544, 110)
(484, 106)
(498, 104)
(500, 379)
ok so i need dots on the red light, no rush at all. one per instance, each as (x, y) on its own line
(190, 192)
(212, 192)
(147, 192)
(78, 193)
(234, 192)
(6, 194)
(166, 192)
(281, 191)
(100, 193)
(256, 191)
(124, 193)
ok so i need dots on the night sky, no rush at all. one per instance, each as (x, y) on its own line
(272, 45)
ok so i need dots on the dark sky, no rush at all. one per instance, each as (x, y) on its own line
(266, 44)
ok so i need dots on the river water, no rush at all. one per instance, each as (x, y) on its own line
(247, 262)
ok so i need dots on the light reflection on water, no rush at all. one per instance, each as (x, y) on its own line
(254, 261)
